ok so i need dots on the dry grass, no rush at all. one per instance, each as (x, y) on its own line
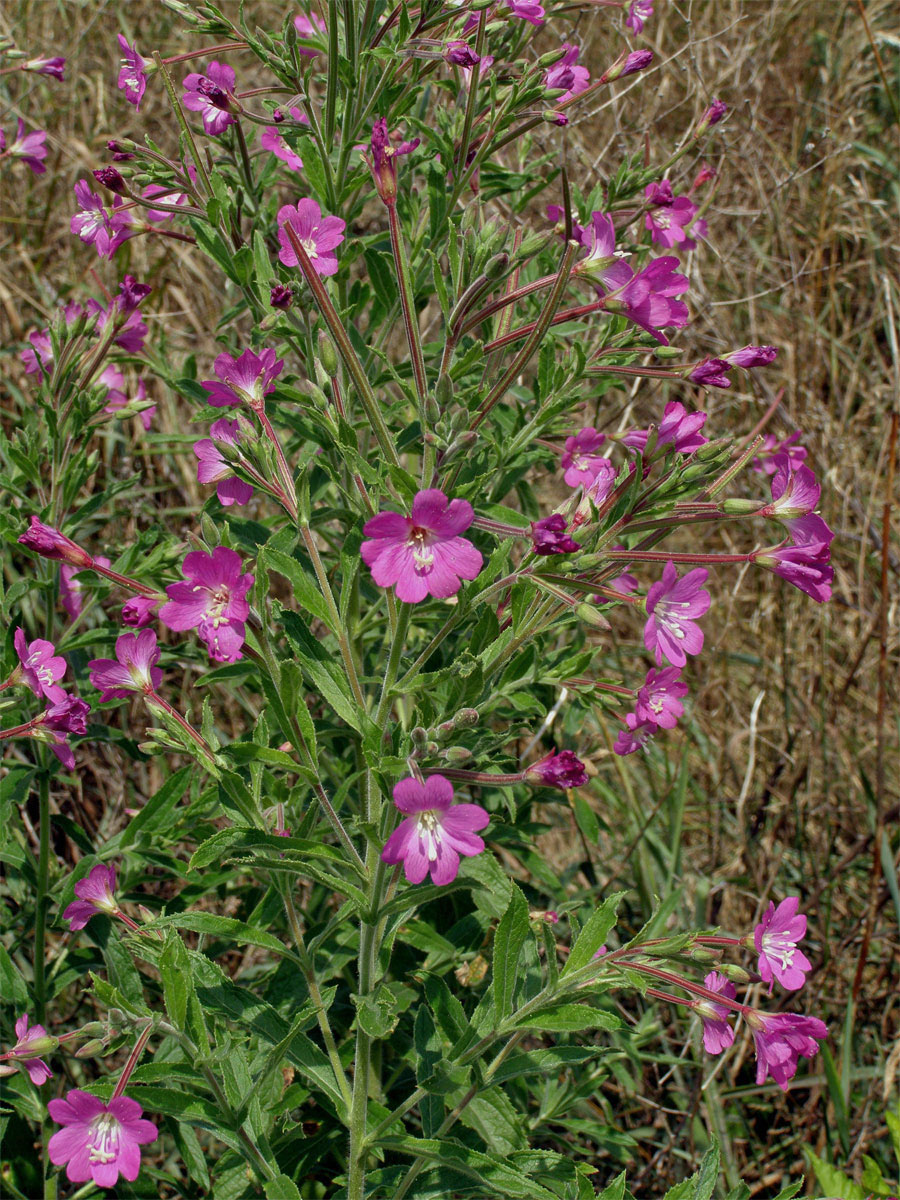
(785, 789)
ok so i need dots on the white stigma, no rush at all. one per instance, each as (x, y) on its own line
(429, 829)
(104, 1139)
(423, 556)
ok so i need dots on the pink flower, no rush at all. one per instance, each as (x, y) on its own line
(105, 230)
(460, 54)
(670, 217)
(775, 939)
(213, 468)
(70, 586)
(133, 669)
(46, 66)
(124, 313)
(435, 832)
(138, 611)
(795, 492)
(636, 736)
(782, 1039)
(674, 605)
(639, 11)
(717, 1032)
(601, 264)
(382, 160)
(318, 235)
(132, 74)
(95, 894)
(567, 76)
(580, 461)
(678, 428)
(659, 700)
(771, 448)
(165, 194)
(558, 769)
(422, 554)
(625, 583)
(66, 715)
(601, 484)
(526, 10)
(40, 666)
(549, 536)
(753, 356)
(712, 372)
(247, 379)
(29, 147)
(806, 566)
(271, 139)
(212, 601)
(116, 401)
(646, 299)
(210, 96)
(33, 1040)
(309, 27)
(98, 1141)
(50, 543)
(712, 116)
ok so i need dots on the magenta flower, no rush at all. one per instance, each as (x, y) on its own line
(580, 460)
(213, 468)
(647, 298)
(382, 158)
(29, 147)
(526, 10)
(549, 536)
(713, 115)
(138, 611)
(678, 428)
(460, 54)
(318, 235)
(775, 939)
(674, 605)
(659, 700)
(210, 96)
(795, 492)
(212, 601)
(560, 770)
(98, 1141)
(96, 225)
(272, 140)
(96, 893)
(602, 265)
(116, 401)
(435, 832)
(70, 586)
(50, 543)
(133, 669)
(753, 356)
(33, 1040)
(638, 60)
(781, 1040)
(248, 378)
(65, 716)
(639, 11)
(422, 554)
(636, 736)
(717, 1032)
(806, 565)
(567, 76)
(46, 66)
(309, 27)
(40, 666)
(712, 372)
(597, 491)
(670, 217)
(771, 448)
(124, 313)
(281, 296)
(132, 73)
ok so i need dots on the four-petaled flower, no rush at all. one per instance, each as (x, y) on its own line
(678, 428)
(781, 1040)
(435, 831)
(132, 74)
(771, 448)
(639, 11)
(422, 554)
(795, 492)
(98, 1141)
(712, 372)
(601, 264)
(659, 700)
(212, 467)
(244, 380)
(210, 95)
(33, 1040)
(40, 666)
(212, 601)
(670, 216)
(271, 139)
(581, 461)
(647, 298)
(635, 736)
(561, 769)
(567, 76)
(319, 236)
(775, 939)
(717, 1032)
(673, 606)
(30, 147)
(96, 893)
(382, 158)
(549, 536)
(133, 669)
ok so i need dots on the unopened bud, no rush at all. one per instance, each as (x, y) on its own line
(277, 116)
(6, 1069)
(281, 296)
(419, 736)
(146, 915)
(443, 392)
(589, 614)
(457, 754)
(328, 354)
(734, 972)
(496, 267)
(466, 718)
(432, 409)
(316, 395)
(459, 446)
(552, 56)
(89, 1049)
(444, 730)
(208, 530)
(667, 352)
(700, 954)
(112, 179)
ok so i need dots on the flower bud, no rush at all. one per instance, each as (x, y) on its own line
(667, 352)
(443, 392)
(419, 736)
(209, 530)
(466, 718)
(89, 1049)
(112, 179)
(457, 754)
(552, 56)
(712, 116)
(734, 972)
(495, 268)
(37, 1047)
(459, 446)
(587, 613)
(328, 354)
(6, 1069)
(281, 296)
(701, 954)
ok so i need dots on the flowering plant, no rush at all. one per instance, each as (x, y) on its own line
(432, 519)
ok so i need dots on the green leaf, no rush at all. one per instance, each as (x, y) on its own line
(834, 1182)
(428, 1052)
(157, 812)
(544, 1062)
(12, 985)
(281, 1188)
(702, 1183)
(614, 1190)
(492, 1115)
(495, 1175)
(222, 927)
(448, 1012)
(593, 934)
(191, 1152)
(175, 972)
(569, 1018)
(243, 840)
(306, 590)
(508, 942)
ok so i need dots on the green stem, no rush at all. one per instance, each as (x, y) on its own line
(410, 321)
(180, 117)
(338, 625)
(40, 915)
